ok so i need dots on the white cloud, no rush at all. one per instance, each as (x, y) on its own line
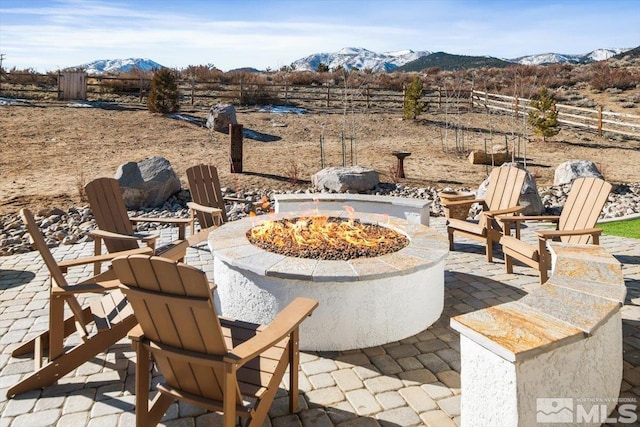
(71, 32)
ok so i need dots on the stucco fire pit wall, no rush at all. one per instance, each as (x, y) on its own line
(413, 210)
(562, 342)
(364, 302)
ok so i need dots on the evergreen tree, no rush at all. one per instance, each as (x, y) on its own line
(323, 68)
(164, 95)
(544, 118)
(412, 105)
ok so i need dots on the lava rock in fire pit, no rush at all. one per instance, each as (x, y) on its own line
(352, 179)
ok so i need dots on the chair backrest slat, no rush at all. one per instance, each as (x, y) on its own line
(204, 186)
(583, 206)
(173, 304)
(41, 246)
(505, 185)
(107, 205)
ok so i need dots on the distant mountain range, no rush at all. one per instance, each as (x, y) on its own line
(402, 60)
(408, 60)
(360, 58)
(102, 66)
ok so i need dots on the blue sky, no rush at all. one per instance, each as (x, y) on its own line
(53, 34)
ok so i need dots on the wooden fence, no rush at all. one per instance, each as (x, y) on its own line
(202, 94)
(595, 118)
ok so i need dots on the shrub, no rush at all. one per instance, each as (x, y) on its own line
(164, 95)
(544, 118)
(412, 105)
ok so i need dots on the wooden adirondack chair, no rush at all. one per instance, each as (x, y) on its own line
(115, 226)
(110, 313)
(208, 202)
(574, 225)
(505, 186)
(206, 360)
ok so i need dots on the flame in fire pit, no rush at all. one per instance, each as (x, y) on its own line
(322, 237)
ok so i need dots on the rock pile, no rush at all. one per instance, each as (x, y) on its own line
(73, 226)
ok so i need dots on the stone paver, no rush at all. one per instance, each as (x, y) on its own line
(415, 381)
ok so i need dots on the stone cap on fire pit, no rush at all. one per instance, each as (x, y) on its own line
(426, 248)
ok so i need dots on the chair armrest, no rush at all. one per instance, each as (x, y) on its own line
(549, 234)
(463, 202)
(136, 334)
(505, 211)
(177, 221)
(522, 218)
(285, 322)
(116, 236)
(97, 284)
(206, 209)
(64, 265)
(237, 199)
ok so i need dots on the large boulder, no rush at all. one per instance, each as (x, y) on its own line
(568, 171)
(352, 179)
(147, 183)
(529, 197)
(221, 116)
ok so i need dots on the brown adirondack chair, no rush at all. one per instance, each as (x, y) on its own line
(208, 205)
(505, 186)
(114, 225)
(208, 361)
(574, 225)
(110, 314)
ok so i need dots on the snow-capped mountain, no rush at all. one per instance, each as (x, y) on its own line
(551, 58)
(102, 66)
(350, 57)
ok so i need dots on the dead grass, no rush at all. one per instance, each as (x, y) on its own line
(44, 149)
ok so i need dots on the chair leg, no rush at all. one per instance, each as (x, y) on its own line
(294, 359)
(450, 232)
(262, 407)
(68, 328)
(229, 392)
(67, 362)
(159, 407)
(508, 263)
(489, 249)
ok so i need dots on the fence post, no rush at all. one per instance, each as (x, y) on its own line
(471, 99)
(599, 120)
(193, 90)
(235, 134)
(515, 107)
(367, 93)
(439, 99)
(286, 92)
(140, 91)
(404, 96)
(328, 94)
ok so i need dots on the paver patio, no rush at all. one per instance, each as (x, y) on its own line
(412, 382)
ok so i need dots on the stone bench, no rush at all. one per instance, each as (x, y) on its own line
(561, 343)
(413, 210)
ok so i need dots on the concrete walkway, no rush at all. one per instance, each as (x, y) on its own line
(412, 382)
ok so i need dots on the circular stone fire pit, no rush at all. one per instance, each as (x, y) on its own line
(364, 302)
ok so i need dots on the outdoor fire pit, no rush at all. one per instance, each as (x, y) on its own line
(381, 283)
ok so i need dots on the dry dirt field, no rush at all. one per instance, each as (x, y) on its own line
(49, 151)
